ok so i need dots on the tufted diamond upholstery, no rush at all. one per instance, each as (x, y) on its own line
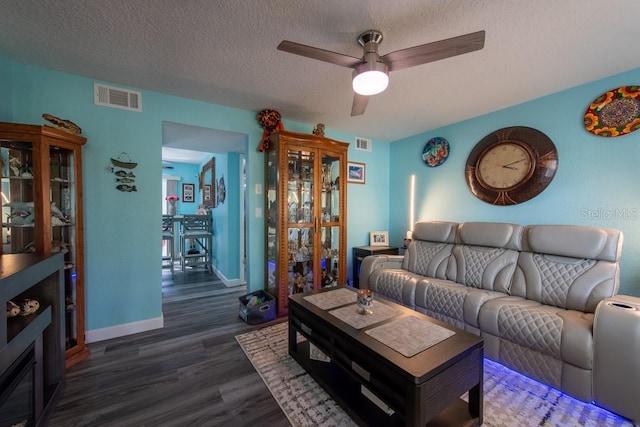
(442, 297)
(557, 277)
(475, 268)
(538, 365)
(475, 263)
(391, 285)
(429, 252)
(395, 284)
(426, 253)
(531, 327)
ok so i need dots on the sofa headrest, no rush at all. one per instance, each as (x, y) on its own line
(574, 241)
(491, 234)
(435, 231)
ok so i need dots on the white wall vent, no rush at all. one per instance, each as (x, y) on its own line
(109, 96)
(363, 144)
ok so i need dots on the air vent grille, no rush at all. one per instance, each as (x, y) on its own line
(363, 144)
(110, 96)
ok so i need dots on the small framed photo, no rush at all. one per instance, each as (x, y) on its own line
(379, 238)
(207, 192)
(188, 192)
(356, 172)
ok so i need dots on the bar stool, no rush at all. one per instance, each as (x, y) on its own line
(196, 241)
(168, 237)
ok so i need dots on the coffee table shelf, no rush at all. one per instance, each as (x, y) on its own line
(345, 390)
(419, 389)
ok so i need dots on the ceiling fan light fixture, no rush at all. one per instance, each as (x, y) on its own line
(370, 78)
(371, 71)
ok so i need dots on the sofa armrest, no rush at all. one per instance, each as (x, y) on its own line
(374, 262)
(616, 365)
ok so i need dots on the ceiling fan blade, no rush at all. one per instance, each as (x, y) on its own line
(418, 55)
(359, 104)
(319, 54)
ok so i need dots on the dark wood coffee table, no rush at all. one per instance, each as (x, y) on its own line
(424, 389)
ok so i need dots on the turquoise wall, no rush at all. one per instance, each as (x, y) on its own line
(6, 89)
(596, 183)
(232, 205)
(226, 215)
(122, 250)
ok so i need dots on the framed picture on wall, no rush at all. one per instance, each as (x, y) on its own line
(356, 172)
(207, 192)
(188, 191)
(379, 238)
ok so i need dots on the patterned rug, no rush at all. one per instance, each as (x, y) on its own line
(510, 399)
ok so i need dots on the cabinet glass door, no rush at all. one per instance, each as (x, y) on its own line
(63, 229)
(300, 268)
(272, 215)
(301, 220)
(330, 238)
(18, 210)
(330, 220)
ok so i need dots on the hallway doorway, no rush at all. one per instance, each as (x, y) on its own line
(193, 145)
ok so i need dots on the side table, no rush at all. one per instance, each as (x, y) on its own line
(360, 252)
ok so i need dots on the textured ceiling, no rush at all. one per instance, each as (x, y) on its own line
(224, 52)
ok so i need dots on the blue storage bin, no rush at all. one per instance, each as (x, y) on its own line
(262, 312)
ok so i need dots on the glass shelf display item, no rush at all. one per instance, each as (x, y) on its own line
(42, 210)
(305, 214)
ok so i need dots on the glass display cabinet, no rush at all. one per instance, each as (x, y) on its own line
(42, 210)
(305, 214)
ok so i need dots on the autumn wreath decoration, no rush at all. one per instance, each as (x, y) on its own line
(270, 120)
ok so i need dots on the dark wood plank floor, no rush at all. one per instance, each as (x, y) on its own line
(189, 373)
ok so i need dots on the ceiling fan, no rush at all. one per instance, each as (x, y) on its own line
(371, 72)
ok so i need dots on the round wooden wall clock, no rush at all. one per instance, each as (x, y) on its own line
(511, 165)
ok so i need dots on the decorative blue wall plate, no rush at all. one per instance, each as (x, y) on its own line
(435, 151)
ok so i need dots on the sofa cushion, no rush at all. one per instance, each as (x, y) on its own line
(485, 255)
(574, 241)
(396, 284)
(435, 231)
(564, 335)
(429, 259)
(561, 275)
(538, 327)
(442, 299)
(490, 234)
(483, 268)
(428, 253)
(452, 302)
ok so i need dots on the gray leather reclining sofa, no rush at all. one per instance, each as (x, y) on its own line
(538, 295)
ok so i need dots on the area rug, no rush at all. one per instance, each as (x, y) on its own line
(510, 399)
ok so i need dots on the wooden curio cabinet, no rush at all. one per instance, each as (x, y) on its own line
(42, 211)
(306, 214)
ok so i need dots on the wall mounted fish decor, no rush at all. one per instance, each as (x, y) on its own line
(121, 167)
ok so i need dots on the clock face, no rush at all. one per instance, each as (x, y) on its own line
(505, 165)
(511, 165)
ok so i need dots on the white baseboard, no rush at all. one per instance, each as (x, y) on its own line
(102, 334)
(229, 283)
